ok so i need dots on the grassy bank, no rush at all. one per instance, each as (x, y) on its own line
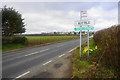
(90, 66)
(37, 40)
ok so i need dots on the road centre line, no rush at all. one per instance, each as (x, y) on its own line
(23, 74)
(61, 55)
(31, 54)
(47, 62)
(36, 52)
(44, 50)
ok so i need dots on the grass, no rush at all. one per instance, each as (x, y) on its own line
(88, 66)
(79, 67)
(12, 46)
(91, 44)
(0, 48)
(37, 40)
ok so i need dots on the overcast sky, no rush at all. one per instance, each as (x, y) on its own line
(60, 16)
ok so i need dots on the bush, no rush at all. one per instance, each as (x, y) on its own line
(107, 41)
(19, 39)
(6, 39)
(13, 39)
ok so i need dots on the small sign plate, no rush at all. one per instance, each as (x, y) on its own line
(84, 23)
(83, 28)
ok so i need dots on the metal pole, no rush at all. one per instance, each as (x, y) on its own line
(80, 35)
(80, 43)
(88, 42)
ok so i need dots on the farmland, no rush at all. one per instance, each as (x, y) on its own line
(37, 40)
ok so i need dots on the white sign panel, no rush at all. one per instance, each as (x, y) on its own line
(84, 23)
(83, 13)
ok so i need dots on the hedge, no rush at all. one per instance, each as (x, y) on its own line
(108, 40)
(13, 39)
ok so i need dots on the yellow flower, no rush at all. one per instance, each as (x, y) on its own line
(95, 47)
(90, 49)
(85, 50)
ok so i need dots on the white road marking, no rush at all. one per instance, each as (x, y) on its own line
(72, 49)
(23, 74)
(61, 55)
(31, 54)
(47, 62)
(44, 50)
(36, 52)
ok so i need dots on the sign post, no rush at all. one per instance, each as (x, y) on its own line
(82, 14)
(80, 42)
(80, 34)
(83, 25)
(88, 42)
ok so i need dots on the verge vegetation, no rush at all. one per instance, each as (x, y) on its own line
(103, 61)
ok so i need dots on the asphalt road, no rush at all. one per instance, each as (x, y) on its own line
(20, 63)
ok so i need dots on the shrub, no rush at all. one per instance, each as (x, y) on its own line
(13, 39)
(6, 39)
(19, 39)
(107, 41)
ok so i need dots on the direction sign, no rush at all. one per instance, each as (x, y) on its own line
(83, 28)
(84, 23)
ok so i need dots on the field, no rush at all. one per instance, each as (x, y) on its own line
(37, 40)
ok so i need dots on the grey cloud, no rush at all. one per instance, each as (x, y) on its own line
(48, 17)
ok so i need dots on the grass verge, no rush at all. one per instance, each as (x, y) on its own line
(7, 47)
(90, 66)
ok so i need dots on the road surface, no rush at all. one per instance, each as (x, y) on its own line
(19, 64)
